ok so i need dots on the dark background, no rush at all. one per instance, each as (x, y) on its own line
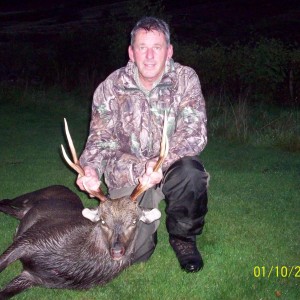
(245, 48)
(201, 21)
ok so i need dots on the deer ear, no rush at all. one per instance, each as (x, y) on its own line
(149, 216)
(91, 214)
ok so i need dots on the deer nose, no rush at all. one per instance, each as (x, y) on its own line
(117, 252)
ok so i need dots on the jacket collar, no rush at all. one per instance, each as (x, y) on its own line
(168, 78)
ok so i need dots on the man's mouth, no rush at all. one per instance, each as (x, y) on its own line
(149, 66)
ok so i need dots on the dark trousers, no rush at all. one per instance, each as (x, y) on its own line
(185, 190)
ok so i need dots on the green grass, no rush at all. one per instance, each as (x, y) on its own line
(268, 125)
(253, 217)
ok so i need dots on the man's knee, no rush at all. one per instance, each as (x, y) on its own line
(146, 250)
(186, 173)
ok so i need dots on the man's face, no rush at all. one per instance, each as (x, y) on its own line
(150, 52)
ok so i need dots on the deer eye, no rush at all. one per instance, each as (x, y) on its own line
(134, 222)
(103, 222)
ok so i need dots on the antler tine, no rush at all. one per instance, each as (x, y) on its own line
(164, 146)
(75, 165)
(70, 142)
(164, 149)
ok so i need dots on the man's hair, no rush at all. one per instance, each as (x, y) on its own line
(150, 24)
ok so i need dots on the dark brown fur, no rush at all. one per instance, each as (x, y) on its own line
(59, 248)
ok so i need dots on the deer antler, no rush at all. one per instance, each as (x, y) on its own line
(164, 149)
(75, 163)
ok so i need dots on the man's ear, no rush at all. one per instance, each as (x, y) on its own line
(170, 51)
(130, 53)
(148, 216)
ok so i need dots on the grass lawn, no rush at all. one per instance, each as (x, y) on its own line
(251, 241)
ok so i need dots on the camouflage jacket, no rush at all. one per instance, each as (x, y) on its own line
(126, 123)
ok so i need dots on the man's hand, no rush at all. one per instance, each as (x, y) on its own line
(151, 178)
(89, 181)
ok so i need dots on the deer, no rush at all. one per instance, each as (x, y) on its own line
(62, 244)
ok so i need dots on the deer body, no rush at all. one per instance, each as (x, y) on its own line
(60, 248)
(61, 244)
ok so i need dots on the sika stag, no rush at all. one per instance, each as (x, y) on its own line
(61, 244)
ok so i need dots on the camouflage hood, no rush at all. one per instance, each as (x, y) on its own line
(126, 123)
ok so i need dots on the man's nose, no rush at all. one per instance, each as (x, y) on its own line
(149, 53)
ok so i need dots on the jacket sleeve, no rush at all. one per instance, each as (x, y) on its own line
(103, 149)
(101, 144)
(190, 133)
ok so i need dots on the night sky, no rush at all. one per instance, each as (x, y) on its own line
(203, 21)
